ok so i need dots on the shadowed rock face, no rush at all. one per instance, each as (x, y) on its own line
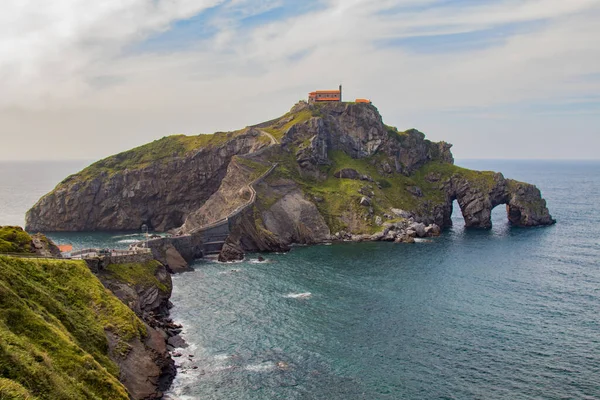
(358, 130)
(343, 141)
(524, 203)
(159, 195)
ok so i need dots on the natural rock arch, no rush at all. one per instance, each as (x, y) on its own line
(478, 197)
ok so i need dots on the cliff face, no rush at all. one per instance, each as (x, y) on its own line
(54, 320)
(358, 131)
(86, 341)
(116, 194)
(339, 170)
(13, 239)
(147, 369)
(342, 173)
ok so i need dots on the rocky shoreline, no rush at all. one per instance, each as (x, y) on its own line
(148, 369)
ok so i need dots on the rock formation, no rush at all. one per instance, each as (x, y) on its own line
(124, 192)
(64, 336)
(147, 369)
(337, 168)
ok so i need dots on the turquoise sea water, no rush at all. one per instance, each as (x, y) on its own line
(501, 314)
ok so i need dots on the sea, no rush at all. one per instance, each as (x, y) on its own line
(506, 313)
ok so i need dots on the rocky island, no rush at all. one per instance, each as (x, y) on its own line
(322, 172)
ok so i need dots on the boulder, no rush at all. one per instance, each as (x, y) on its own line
(231, 252)
(401, 213)
(404, 239)
(348, 173)
(432, 230)
(174, 261)
(378, 236)
(419, 228)
(365, 201)
(415, 191)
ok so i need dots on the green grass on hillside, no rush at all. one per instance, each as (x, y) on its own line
(13, 239)
(137, 274)
(159, 150)
(278, 129)
(256, 168)
(341, 197)
(53, 315)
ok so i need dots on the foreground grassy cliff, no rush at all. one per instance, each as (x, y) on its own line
(65, 335)
(53, 317)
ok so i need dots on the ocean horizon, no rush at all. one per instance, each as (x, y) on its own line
(504, 313)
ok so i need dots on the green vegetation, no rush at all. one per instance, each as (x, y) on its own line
(137, 274)
(13, 239)
(340, 198)
(279, 128)
(483, 180)
(11, 390)
(53, 317)
(160, 150)
(537, 205)
(257, 168)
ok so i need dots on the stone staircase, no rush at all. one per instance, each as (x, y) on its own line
(214, 235)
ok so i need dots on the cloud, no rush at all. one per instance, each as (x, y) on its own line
(131, 71)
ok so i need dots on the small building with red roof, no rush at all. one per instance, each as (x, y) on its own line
(325, 95)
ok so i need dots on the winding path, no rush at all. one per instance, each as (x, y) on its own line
(273, 140)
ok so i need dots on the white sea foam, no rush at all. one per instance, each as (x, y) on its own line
(263, 367)
(230, 271)
(420, 240)
(129, 235)
(128, 241)
(298, 295)
(221, 357)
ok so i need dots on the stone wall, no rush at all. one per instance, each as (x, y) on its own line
(97, 264)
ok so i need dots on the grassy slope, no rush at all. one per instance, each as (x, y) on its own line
(341, 196)
(52, 320)
(279, 128)
(137, 274)
(159, 150)
(14, 239)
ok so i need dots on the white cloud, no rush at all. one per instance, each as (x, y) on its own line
(65, 62)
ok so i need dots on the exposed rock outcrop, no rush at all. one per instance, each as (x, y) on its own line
(358, 130)
(14, 239)
(524, 203)
(231, 252)
(339, 168)
(146, 367)
(44, 247)
(159, 193)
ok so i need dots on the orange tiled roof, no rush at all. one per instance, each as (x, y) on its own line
(327, 91)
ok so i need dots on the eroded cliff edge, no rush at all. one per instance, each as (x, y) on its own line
(157, 184)
(63, 335)
(339, 172)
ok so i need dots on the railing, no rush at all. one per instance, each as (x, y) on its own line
(240, 209)
(85, 253)
(30, 255)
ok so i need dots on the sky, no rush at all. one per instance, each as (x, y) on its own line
(498, 79)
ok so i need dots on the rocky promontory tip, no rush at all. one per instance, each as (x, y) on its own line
(320, 169)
